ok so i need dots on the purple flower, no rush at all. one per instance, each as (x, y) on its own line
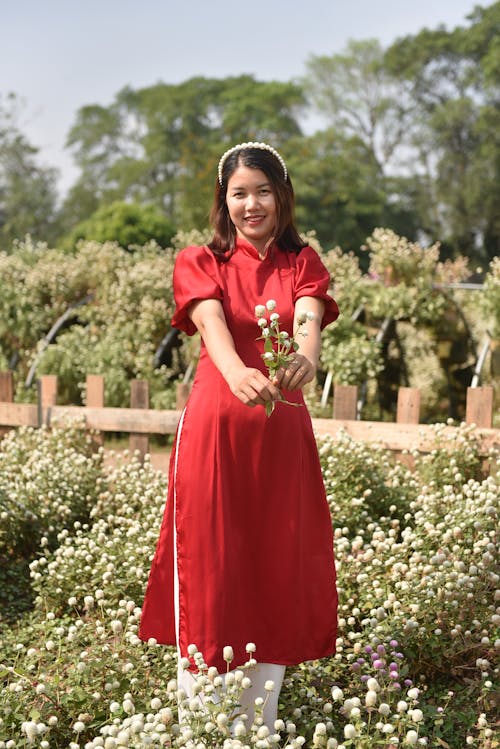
(408, 682)
(368, 649)
(365, 677)
(393, 643)
(378, 663)
(361, 661)
(380, 650)
(393, 666)
(393, 674)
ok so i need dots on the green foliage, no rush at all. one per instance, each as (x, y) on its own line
(350, 353)
(27, 189)
(128, 225)
(453, 84)
(119, 331)
(416, 578)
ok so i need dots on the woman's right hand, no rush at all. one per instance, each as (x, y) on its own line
(251, 386)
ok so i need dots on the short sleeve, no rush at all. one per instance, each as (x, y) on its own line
(313, 279)
(195, 277)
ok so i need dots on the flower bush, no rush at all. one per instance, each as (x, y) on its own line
(418, 624)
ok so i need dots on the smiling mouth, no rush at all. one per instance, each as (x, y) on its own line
(254, 219)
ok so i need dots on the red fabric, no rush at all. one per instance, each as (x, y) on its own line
(254, 537)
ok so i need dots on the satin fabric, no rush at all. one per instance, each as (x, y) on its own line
(253, 536)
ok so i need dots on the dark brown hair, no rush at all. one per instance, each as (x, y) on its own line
(286, 235)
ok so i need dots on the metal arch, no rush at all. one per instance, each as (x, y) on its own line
(64, 321)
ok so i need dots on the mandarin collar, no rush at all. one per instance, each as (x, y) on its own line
(242, 245)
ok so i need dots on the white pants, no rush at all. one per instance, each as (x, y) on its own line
(258, 675)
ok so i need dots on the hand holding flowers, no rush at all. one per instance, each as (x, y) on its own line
(286, 368)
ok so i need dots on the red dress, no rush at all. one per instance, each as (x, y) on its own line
(246, 525)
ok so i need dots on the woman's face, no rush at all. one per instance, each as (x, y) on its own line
(252, 206)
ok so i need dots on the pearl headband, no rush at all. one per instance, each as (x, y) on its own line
(262, 146)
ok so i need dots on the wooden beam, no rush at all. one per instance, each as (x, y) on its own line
(393, 436)
(143, 421)
(18, 414)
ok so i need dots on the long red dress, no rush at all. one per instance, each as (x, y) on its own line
(246, 525)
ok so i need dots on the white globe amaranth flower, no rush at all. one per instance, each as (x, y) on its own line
(350, 731)
(260, 310)
(271, 305)
(250, 647)
(411, 737)
(228, 653)
(269, 685)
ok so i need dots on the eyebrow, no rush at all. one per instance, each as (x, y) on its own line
(244, 187)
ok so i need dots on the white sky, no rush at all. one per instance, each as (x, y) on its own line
(59, 55)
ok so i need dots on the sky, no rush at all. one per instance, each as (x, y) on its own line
(59, 55)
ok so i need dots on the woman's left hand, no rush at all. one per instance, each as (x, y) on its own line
(298, 373)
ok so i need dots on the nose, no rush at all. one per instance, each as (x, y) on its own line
(252, 200)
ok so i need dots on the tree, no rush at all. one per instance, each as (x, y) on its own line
(454, 79)
(341, 193)
(27, 190)
(360, 98)
(161, 144)
(124, 223)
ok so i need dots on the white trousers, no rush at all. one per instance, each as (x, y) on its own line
(258, 675)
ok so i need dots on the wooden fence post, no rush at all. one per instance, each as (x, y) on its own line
(6, 393)
(345, 402)
(408, 411)
(47, 396)
(139, 398)
(95, 399)
(182, 392)
(479, 408)
(6, 387)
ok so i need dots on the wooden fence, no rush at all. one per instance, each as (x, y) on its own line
(139, 421)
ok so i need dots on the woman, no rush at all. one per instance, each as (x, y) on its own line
(246, 552)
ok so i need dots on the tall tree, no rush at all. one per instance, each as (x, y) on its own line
(27, 189)
(360, 98)
(160, 144)
(455, 85)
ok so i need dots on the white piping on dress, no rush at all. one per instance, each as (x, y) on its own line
(176, 571)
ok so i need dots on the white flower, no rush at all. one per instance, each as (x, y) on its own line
(250, 647)
(228, 653)
(413, 693)
(349, 731)
(260, 310)
(416, 715)
(370, 698)
(268, 356)
(29, 727)
(262, 322)
(269, 685)
(79, 726)
(310, 315)
(271, 305)
(155, 703)
(274, 317)
(337, 694)
(411, 737)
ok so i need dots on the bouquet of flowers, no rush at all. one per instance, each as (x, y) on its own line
(279, 346)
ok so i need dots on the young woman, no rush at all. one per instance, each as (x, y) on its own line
(246, 550)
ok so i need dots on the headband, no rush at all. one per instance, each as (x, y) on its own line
(262, 146)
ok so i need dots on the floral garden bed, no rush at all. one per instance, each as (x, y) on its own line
(418, 627)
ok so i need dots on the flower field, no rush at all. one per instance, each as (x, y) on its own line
(418, 587)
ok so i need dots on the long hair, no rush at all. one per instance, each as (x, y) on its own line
(286, 235)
